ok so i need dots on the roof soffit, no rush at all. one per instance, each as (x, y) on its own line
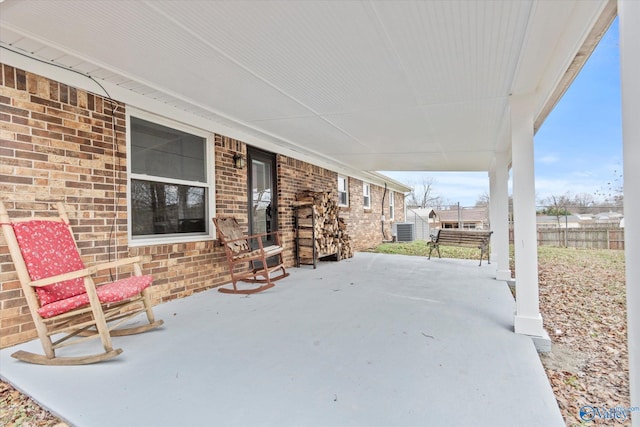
(367, 85)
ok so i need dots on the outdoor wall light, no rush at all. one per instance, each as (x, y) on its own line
(239, 161)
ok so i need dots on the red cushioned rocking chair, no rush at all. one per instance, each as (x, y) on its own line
(62, 296)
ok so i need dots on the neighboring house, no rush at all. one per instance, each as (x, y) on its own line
(550, 221)
(467, 218)
(428, 219)
(610, 219)
(584, 219)
(157, 181)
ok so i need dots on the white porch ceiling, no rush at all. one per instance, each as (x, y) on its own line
(371, 85)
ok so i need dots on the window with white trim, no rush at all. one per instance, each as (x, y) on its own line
(366, 193)
(343, 191)
(169, 185)
(391, 205)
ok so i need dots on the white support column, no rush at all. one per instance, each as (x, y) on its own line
(629, 14)
(527, 320)
(499, 188)
(492, 211)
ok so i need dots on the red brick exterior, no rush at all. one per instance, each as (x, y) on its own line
(62, 144)
(293, 177)
(365, 225)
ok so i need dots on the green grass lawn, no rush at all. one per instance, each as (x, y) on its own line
(421, 248)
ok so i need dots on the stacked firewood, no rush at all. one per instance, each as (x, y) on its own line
(321, 209)
(346, 251)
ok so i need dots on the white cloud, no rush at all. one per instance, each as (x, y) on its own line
(548, 159)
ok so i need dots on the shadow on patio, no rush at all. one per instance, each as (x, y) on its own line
(376, 340)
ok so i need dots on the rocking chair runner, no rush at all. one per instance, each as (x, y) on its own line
(238, 249)
(61, 293)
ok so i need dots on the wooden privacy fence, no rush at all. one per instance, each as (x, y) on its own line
(584, 237)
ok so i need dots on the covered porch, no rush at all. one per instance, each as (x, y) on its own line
(365, 86)
(376, 340)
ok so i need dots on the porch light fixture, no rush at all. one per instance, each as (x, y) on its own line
(239, 161)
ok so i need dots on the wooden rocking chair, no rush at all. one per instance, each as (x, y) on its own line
(62, 296)
(239, 250)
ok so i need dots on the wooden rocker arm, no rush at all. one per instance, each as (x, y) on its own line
(89, 271)
(121, 262)
(62, 277)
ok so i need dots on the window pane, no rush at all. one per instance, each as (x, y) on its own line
(367, 196)
(343, 193)
(161, 151)
(261, 188)
(342, 184)
(159, 208)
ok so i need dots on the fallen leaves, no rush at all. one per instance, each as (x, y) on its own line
(16, 409)
(582, 294)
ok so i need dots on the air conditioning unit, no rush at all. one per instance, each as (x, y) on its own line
(404, 231)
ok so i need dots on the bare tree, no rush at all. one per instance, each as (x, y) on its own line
(483, 200)
(558, 206)
(583, 202)
(421, 194)
(613, 192)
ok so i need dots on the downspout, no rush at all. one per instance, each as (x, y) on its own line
(384, 195)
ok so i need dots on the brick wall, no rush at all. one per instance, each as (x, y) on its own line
(364, 225)
(62, 144)
(58, 144)
(231, 183)
(182, 269)
(295, 176)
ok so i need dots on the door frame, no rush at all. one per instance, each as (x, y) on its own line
(267, 157)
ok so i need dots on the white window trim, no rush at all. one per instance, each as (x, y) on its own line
(209, 185)
(366, 185)
(346, 190)
(392, 205)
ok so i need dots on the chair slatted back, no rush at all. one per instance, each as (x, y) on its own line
(229, 231)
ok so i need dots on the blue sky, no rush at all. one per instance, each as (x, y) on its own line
(578, 149)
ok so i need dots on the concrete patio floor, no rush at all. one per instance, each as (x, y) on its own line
(376, 340)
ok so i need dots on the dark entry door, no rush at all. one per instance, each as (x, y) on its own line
(263, 192)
